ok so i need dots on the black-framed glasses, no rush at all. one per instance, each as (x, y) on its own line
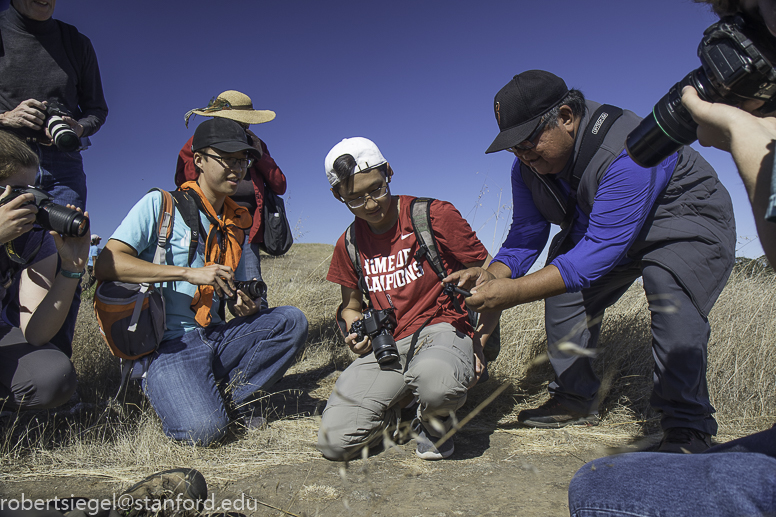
(530, 142)
(378, 193)
(231, 163)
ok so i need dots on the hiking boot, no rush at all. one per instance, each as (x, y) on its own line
(426, 450)
(552, 414)
(684, 440)
(185, 486)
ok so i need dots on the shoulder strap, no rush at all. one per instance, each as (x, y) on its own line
(164, 225)
(595, 132)
(189, 210)
(352, 248)
(420, 213)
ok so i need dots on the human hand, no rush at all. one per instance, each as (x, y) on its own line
(243, 305)
(17, 216)
(219, 276)
(28, 114)
(723, 126)
(74, 125)
(73, 251)
(359, 347)
(468, 278)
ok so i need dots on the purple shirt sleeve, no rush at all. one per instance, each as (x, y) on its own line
(623, 201)
(529, 231)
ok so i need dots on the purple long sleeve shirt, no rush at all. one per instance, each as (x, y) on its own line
(601, 240)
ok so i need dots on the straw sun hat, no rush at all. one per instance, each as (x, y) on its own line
(235, 106)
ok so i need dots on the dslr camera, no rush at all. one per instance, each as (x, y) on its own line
(736, 64)
(379, 326)
(253, 288)
(61, 133)
(52, 216)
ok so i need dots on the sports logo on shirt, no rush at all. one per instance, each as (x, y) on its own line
(392, 272)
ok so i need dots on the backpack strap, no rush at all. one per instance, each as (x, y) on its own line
(352, 248)
(164, 225)
(189, 210)
(420, 213)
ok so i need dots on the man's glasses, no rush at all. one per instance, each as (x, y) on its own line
(530, 142)
(378, 193)
(231, 163)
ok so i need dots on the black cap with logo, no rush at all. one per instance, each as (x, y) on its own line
(222, 134)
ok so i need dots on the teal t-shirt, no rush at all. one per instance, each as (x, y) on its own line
(138, 230)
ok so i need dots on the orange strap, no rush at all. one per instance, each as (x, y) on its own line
(223, 245)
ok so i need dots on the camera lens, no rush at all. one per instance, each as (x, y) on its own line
(64, 137)
(384, 347)
(670, 125)
(61, 219)
(253, 288)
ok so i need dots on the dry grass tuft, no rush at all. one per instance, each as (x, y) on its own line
(119, 442)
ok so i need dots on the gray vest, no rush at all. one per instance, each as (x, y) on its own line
(690, 230)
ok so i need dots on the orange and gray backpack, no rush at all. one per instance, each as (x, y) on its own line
(132, 316)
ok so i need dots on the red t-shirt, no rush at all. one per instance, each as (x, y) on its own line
(394, 277)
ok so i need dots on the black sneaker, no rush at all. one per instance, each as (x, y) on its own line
(552, 415)
(426, 448)
(684, 440)
(185, 485)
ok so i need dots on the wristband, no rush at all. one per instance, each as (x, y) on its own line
(71, 274)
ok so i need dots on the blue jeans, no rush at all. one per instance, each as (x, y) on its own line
(248, 354)
(735, 478)
(62, 176)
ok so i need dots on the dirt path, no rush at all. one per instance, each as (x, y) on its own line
(487, 475)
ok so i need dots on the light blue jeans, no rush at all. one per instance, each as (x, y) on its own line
(248, 354)
(735, 478)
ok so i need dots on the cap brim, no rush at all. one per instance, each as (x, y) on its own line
(242, 116)
(514, 135)
(235, 146)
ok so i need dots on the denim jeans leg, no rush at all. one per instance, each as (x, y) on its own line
(62, 176)
(183, 390)
(254, 352)
(655, 484)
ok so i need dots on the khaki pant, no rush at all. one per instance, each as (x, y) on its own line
(364, 401)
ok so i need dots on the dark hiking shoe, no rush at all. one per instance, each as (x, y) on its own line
(684, 440)
(426, 448)
(187, 487)
(552, 414)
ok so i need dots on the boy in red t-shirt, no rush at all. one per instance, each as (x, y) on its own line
(447, 357)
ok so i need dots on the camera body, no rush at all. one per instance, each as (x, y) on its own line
(379, 326)
(62, 134)
(734, 67)
(52, 216)
(253, 288)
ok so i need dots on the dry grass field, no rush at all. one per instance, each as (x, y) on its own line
(96, 446)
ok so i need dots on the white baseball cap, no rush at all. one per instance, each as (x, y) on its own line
(363, 150)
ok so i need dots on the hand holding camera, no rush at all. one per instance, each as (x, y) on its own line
(18, 215)
(378, 326)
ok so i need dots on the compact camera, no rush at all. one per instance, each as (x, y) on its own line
(61, 133)
(734, 67)
(52, 216)
(379, 326)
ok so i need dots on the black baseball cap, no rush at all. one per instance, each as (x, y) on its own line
(520, 104)
(222, 134)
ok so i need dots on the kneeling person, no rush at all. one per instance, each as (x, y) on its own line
(200, 352)
(35, 292)
(442, 363)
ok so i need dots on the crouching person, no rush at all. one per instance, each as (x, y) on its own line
(439, 355)
(39, 273)
(204, 359)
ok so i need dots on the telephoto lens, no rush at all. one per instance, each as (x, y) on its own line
(61, 219)
(61, 133)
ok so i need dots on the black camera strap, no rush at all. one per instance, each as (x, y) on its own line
(592, 138)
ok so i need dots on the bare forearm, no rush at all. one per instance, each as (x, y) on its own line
(50, 314)
(122, 267)
(499, 270)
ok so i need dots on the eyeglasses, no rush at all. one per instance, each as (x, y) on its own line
(378, 193)
(530, 142)
(231, 163)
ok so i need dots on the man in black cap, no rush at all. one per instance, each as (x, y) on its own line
(672, 225)
(201, 353)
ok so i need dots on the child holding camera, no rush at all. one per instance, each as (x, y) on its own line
(437, 354)
(35, 294)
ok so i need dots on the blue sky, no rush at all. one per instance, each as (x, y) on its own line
(417, 77)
